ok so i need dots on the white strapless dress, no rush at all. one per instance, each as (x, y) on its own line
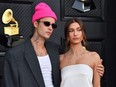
(79, 75)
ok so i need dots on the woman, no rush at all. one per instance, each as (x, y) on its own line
(35, 62)
(78, 65)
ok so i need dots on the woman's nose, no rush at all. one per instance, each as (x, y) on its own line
(75, 32)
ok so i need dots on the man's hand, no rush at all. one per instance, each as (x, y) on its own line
(100, 69)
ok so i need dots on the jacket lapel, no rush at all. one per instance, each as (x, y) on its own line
(33, 63)
(54, 58)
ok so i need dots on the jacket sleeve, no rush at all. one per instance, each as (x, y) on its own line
(10, 71)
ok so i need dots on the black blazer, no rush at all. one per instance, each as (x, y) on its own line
(22, 69)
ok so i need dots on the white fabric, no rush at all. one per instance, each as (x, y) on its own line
(46, 69)
(79, 75)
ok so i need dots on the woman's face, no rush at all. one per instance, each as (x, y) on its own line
(75, 33)
(45, 27)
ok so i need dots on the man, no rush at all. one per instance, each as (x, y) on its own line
(35, 62)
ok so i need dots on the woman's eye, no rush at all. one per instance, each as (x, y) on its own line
(79, 29)
(71, 30)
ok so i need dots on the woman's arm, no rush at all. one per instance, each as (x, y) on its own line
(96, 76)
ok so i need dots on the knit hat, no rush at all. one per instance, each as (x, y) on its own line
(43, 10)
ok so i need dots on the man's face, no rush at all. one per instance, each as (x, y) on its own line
(45, 27)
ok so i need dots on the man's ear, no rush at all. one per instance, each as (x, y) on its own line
(35, 23)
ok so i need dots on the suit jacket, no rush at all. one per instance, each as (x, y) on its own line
(22, 69)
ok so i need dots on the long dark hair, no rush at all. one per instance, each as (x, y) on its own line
(66, 32)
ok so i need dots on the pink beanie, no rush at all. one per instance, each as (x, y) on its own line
(43, 10)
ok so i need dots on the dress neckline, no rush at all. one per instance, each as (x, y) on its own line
(74, 65)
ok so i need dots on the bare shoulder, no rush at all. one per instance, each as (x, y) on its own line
(61, 57)
(95, 54)
(96, 57)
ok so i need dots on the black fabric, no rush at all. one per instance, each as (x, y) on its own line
(21, 67)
